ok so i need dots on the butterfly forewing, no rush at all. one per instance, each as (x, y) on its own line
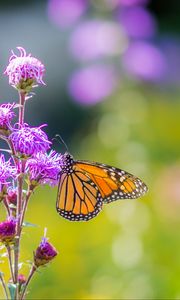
(112, 182)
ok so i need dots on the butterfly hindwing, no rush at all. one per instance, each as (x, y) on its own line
(113, 183)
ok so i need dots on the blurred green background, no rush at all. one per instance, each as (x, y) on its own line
(128, 118)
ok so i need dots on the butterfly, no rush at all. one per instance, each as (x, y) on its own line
(84, 187)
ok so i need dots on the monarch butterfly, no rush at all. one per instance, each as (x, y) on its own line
(85, 186)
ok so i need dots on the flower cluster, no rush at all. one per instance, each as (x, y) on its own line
(30, 165)
(29, 141)
(24, 71)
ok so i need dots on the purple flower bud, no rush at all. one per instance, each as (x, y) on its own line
(12, 196)
(6, 115)
(24, 71)
(44, 253)
(44, 168)
(21, 279)
(7, 230)
(11, 200)
(29, 141)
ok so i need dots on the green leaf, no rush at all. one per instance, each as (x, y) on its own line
(12, 290)
(27, 224)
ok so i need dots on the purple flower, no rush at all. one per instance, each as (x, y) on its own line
(7, 171)
(92, 84)
(44, 253)
(29, 141)
(66, 12)
(6, 115)
(97, 38)
(7, 230)
(24, 71)
(44, 168)
(145, 61)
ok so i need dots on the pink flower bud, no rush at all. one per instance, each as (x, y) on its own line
(44, 253)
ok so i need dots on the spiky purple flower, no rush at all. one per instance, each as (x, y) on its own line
(7, 171)
(7, 230)
(29, 141)
(44, 253)
(44, 168)
(6, 115)
(24, 71)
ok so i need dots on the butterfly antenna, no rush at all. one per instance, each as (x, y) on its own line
(57, 138)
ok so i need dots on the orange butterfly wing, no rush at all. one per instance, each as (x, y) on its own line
(78, 196)
(113, 183)
(85, 186)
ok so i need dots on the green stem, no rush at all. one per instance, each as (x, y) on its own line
(4, 286)
(33, 269)
(25, 203)
(22, 97)
(7, 207)
(20, 180)
(10, 262)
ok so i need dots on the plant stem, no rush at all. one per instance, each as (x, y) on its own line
(10, 262)
(20, 180)
(11, 147)
(33, 269)
(7, 207)
(22, 97)
(29, 192)
(18, 213)
(4, 286)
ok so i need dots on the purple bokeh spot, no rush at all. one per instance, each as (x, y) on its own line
(66, 12)
(171, 49)
(145, 61)
(93, 39)
(92, 84)
(133, 2)
(138, 22)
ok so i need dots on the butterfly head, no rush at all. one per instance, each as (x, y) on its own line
(66, 163)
